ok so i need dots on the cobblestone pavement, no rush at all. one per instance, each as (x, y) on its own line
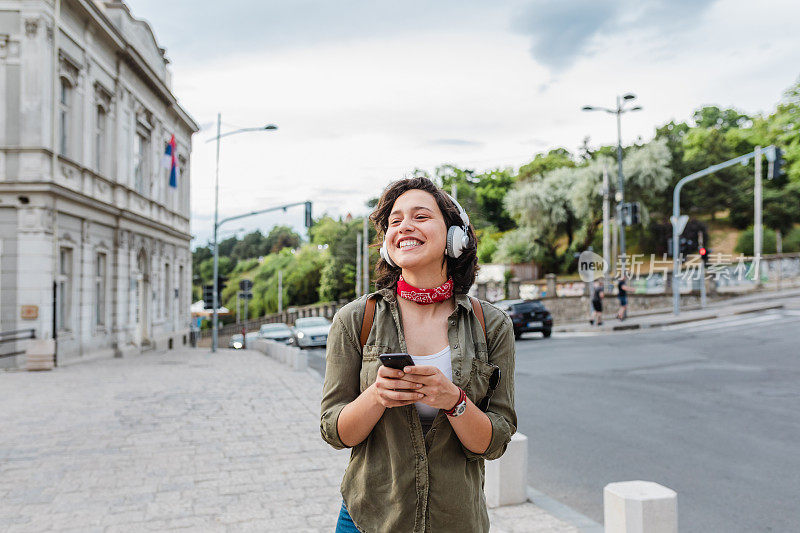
(179, 441)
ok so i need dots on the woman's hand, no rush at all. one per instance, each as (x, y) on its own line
(392, 389)
(438, 391)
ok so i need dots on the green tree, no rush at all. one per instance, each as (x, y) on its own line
(281, 237)
(543, 164)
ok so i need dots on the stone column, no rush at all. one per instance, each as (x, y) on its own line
(551, 285)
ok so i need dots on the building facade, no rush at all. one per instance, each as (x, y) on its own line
(94, 241)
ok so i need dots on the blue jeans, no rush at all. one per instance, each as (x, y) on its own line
(345, 523)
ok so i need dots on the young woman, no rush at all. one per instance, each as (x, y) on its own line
(419, 435)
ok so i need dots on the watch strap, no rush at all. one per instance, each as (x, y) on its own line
(462, 398)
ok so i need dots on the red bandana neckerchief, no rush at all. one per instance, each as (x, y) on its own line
(425, 296)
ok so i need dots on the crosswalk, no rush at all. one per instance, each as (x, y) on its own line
(738, 322)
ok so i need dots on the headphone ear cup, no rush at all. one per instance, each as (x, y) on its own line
(455, 241)
(385, 255)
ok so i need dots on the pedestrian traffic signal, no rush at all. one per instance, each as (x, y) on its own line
(703, 254)
(309, 220)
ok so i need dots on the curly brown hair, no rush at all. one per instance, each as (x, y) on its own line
(463, 269)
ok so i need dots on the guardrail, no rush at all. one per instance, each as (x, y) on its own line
(14, 336)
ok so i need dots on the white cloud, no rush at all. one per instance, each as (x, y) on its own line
(358, 110)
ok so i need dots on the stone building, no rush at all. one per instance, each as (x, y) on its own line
(94, 242)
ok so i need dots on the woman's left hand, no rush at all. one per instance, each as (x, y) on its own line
(439, 391)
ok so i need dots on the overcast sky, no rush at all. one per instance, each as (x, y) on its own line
(363, 92)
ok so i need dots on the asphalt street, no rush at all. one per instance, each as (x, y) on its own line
(709, 409)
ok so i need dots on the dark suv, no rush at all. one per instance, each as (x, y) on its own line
(527, 315)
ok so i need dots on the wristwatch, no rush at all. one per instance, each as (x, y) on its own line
(460, 406)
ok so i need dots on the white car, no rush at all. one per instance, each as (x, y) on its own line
(277, 331)
(311, 331)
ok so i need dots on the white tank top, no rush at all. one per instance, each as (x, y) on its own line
(440, 360)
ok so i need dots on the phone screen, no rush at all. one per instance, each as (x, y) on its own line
(397, 361)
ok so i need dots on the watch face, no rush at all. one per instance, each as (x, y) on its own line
(461, 408)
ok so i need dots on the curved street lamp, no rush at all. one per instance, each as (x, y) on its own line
(620, 196)
(214, 316)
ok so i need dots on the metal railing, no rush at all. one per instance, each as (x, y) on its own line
(14, 336)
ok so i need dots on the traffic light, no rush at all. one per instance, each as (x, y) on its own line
(309, 220)
(634, 213)
(703, 254)
(208, 296)
(777, 165)
(220, 285)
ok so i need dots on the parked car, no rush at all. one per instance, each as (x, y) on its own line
(311, 331)
(527, 315)
(277, 331)
(236, 341)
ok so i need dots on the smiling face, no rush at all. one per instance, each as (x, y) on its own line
(416, 233)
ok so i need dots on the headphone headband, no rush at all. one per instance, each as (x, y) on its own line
(461, 212)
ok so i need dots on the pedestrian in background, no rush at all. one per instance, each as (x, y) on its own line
(622, 295)
(597, 303)
(419, 436)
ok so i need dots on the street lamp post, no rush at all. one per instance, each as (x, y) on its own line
(214, 316)
(620, 194)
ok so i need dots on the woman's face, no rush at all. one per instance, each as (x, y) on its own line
(417, 233)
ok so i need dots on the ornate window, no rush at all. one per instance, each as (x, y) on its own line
(102, 99)
(64, 111)
(167, 291)
(100, 282)
(100, 140)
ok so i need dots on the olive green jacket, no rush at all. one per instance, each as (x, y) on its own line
(397, 480)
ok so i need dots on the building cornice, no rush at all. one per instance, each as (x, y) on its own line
(133, 58)
(59, 191)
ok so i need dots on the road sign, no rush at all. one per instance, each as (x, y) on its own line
(681, 223)
(245, 285)
(246, 295)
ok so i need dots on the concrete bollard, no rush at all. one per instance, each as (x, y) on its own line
(506, 478)
(40, 354)
(640, 507)
(300, 360)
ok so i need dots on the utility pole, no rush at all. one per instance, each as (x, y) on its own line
(365, 257)
(606, 225)
(358, 265)
(613, 230)
(214, 325)
(758, 230)
(217, 223)
(237, 308)
(620, 196)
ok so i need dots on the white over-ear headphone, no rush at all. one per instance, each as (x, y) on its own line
(457, 237)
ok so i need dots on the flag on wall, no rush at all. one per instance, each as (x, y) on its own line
(171, 162)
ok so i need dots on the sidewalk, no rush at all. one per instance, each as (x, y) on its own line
(185, 440)
(750, 303)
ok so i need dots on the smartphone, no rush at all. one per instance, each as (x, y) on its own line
(397, 361)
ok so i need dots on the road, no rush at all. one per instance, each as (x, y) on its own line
(709, 409)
